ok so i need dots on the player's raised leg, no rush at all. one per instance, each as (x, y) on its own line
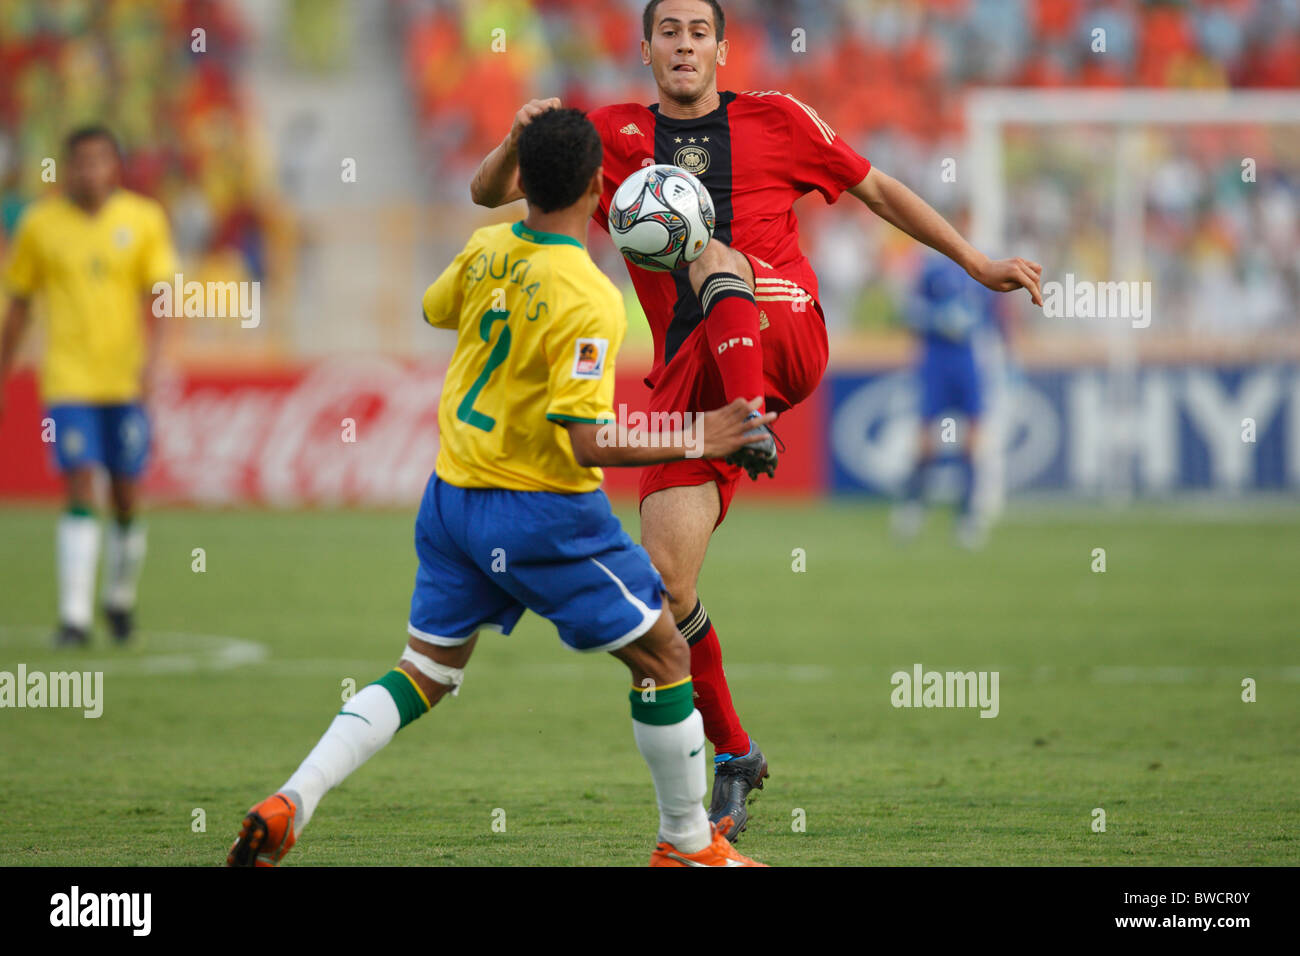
(365, 725)
(723, 280)
(676, 525)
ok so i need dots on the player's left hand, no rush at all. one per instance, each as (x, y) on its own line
(1007, 275)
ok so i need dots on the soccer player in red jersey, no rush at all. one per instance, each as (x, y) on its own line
(743, 321)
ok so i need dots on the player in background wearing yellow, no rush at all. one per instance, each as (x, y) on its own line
(90, 257)
(513, 517)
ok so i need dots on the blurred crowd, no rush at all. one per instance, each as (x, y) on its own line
(891, 77)
(173, 97)
(870, 66)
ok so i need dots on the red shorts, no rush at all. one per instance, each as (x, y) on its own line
(795, 352)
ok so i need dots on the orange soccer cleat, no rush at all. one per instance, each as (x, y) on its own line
(718, 853)
(267, 834)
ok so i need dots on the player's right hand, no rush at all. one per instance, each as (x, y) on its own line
(726, 430)
(530, 112)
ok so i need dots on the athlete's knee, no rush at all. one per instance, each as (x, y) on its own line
(81, 488)
(659, 657)
(679, 582)
(122, 493)
(676, 524)
(682, 597)
(670, 649)
(435, 670)
(718, 257)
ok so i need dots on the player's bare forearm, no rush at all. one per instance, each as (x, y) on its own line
(612, 446)
(715, 434)
(495, 179)
(900, 207)
(496, 182)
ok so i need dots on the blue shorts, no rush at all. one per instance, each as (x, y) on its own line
(115, 436)
(488, 554)
(950, 381)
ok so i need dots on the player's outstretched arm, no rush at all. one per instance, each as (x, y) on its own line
(715, 434)
(899, 206)
(16, 321)
(496, 182)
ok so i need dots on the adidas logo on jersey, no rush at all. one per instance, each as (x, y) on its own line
(631, 130)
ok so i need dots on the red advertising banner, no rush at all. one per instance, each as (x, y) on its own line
(356, 431)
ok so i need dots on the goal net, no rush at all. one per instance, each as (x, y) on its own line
(1167, 223)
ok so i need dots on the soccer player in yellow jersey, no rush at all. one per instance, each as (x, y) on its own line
(513, 517)
(91, 257)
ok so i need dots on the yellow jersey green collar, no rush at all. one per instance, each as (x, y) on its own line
(544, 238)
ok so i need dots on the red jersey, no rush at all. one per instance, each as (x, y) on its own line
(756, 153)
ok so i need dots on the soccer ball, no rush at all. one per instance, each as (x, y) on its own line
(661, 218)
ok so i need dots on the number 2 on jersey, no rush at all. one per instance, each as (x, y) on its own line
(466, 412)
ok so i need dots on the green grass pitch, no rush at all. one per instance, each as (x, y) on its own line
(1119, 690)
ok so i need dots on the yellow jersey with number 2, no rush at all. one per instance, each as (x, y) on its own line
(538, 328)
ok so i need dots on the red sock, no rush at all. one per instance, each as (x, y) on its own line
(712, 696)
(731, 324)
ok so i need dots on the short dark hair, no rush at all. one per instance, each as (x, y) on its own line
(84, 134)
(719, 18)
(559, 152)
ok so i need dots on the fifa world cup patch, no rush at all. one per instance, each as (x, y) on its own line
(589, 358)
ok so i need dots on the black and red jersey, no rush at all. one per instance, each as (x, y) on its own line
(757, 153)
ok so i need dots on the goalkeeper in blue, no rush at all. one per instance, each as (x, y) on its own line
(950, 313)
(513, 517)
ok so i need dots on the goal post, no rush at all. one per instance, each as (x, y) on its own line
(1177, 188)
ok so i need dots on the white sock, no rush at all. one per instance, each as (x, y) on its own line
(77, 553)
(679, 779)
(365, 724)
(124, 550)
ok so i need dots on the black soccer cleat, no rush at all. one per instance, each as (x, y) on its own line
(69, 636)
(759, 458)
(120, 623)
(732, 782)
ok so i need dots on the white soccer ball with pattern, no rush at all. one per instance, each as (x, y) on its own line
(662, 218)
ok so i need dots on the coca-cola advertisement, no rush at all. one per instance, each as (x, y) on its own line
(342, 432)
